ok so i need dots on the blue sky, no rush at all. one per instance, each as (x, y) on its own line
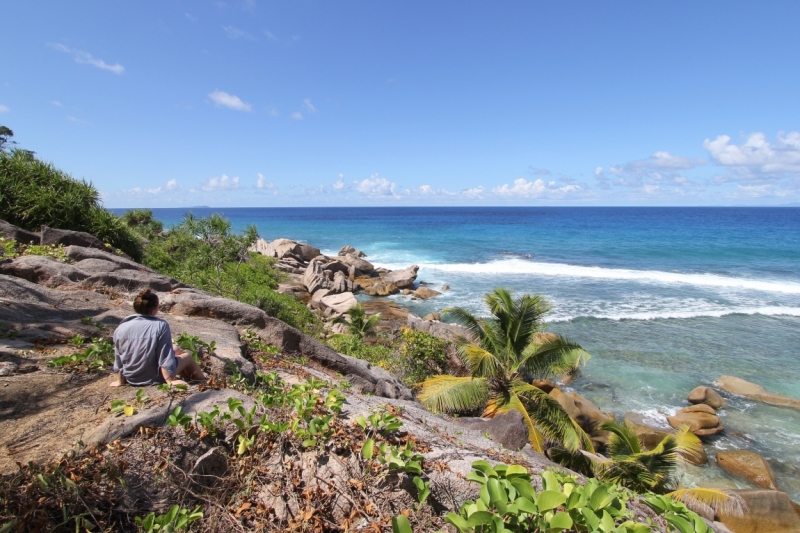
(255, 103)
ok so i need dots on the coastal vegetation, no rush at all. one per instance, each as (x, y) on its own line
(507, 351)
(34, 193)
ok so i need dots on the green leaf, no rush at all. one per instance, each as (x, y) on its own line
(550, 499)
(400, 524)
(497, 495)
(592, 520)
(560, 521)
(480, 518)
(679, 523)
(457, 521)
(484, 467)
(517, 471)
(606, 523)
(368, 449)
(598, 497)
(524, 488)
(526, 505)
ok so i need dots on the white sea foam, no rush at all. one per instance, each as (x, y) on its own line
(523, 267)
(667, 313)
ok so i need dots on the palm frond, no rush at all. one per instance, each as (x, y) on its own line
(688, 444)
(720, 500)
(467, 320)
(500, 404)
(550, 418)
(553, 356)
(629, 473)
(449, 394)
(623, 442)
(481, 363)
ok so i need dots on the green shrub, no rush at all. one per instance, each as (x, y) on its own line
(288, 309)
(34, 194)
(423, 355)
(143, 222)
(377, 354)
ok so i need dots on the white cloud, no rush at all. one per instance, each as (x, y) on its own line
(171, 186)
(223, 183)
(4, 108)
(475, 192)
(756, 155)
(376, 186)
(262, 182)
(523, 188)
(309, 106)
(297, 115)
(270, 35)
(666, 160)
(223, 99)
(88, 59)
(427, 190)
(235, 33)
(340, 184)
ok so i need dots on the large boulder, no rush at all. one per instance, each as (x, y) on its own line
(70, 238)
(43, 270)
(744, 388)
(341, 284)
(441, 330)
(508, 429)
(361, 265)
(349, 250)
(307, 252)
(10, 231)
(263, 247)
(423, 293)
(339, 303)
(285, 247)
(337, 266)
(700, 418)
(586, 414)
(403, 278)
(314, 277)
(767, 511)
(706, 395)
(748, 465)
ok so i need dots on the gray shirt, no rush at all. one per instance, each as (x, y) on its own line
(142, 347)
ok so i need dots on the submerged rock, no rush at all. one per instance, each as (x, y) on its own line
(424, 293)
(701, 419)
(744, 388)
(748, 465)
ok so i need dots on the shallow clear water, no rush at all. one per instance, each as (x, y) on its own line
(664, 299)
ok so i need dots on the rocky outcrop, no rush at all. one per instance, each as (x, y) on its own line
(338, 303)
(402, 278)
(361, 266)
(341, 284)
(767, 511)
(423, 293)
(701, 419)
(441, 330)
(744, 388)
(508, 429)
(315, 278)
(263, 247)
(748, 465)
(10, 231)
(376, 286)
(706, 395)
(349, 250)
(586, 414)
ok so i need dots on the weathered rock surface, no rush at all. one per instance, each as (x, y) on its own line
(263, 247)
(362, 266)
(314, 277)
(507, 429)
(585, 413)
(744, 388)
(10, 231)
(433, 316)
(768, 511)
(70, 238)
(349, 250)
(748, 465)
(423, 293)
(441, 330)
(402, 278)
(339, 303)
(307, 252)
(700, 418)
(706, 395)
(341, 284)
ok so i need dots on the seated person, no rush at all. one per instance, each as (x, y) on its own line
(143, 349)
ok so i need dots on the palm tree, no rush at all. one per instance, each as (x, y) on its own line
(508, 350)
(641, 470)
(358, 324)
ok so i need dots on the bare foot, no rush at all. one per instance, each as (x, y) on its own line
(178, 382)
(115, 383)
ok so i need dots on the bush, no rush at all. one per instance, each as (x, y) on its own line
(423, 355)
(288, 309)
(377, 354)
(34, 194)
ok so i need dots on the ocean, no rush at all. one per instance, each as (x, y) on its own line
(664, 299)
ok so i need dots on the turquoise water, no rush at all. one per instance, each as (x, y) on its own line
(664, 299)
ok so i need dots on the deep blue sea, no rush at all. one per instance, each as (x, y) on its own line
(664, 299)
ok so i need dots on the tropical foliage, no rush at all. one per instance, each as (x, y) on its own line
(505, 352)
(34, 194)
(358, 323)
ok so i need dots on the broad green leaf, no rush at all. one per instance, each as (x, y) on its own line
(679, 523)
(368, 449)
(457, 521)
(550, 499)
(524, 488)
(479, 518)
(526, 505)
(592, 520)
(400, 524)
(606, 523)
(484, 467)
(550, 481)
(516, 470)
(598, 497)
(560, 521)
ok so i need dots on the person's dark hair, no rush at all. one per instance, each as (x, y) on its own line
(146, 302)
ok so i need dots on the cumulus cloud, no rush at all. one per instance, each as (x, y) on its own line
(88, 59)
(309, 106)
(223, 99)
(262, 182)
(523, 188)
(375, 185)
(4, 109)
(340, 184)
(171, 186)
(475, 192)
(297, 115)
(235, 33)
(428, 191)
(223, 183)
(756, 154)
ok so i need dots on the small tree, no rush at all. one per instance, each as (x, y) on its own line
(5, 137)
(358, 324)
